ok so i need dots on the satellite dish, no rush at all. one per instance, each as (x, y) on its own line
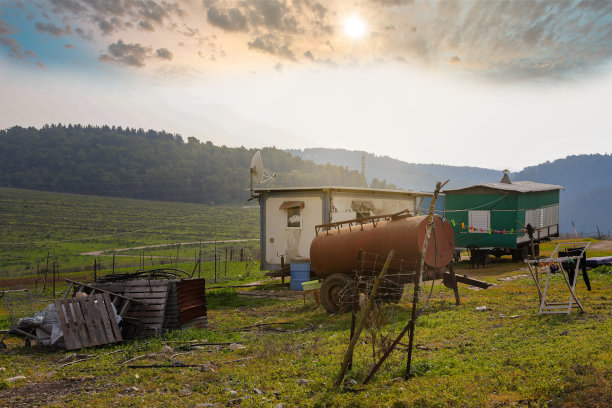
(258, 172)
(257, 168)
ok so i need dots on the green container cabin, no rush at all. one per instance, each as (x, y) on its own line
(493, 216)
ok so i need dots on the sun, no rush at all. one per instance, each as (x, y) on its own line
(354, 27)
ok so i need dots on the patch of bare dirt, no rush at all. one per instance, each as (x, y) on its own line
(601, 245)
(45, 393)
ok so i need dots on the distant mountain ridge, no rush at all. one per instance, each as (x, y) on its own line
(412, 176)
(586, 179)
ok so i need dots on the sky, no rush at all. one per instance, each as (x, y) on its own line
(487, 83)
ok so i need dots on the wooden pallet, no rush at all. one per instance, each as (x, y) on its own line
(152, 294)
(88, 321)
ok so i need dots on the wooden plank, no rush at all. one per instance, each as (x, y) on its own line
(146, 295)
(60, 311)
(68, 291)
(146, 307)
(89, 323)
(82, 326)
(104, 318)
(147, 282)
(141, 289)
(113, 319)
(124, 307)
(94, 315)
(71, 323)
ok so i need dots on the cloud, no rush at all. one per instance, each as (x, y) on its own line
(113, 15)
(146, 25)
(164, 53)
(505, 39)
(272, 44)
(501, 39)
(132, 54)
(454, 59)
(68, 46)
(230, 20)
(73, 6)
(84, 35)
(52, 29)
(6, 28)
(15, 48)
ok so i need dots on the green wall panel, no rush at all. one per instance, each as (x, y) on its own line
(538, 199)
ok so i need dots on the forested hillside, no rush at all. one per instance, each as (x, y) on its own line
(142, 164)
(412, 176)
(587, 195)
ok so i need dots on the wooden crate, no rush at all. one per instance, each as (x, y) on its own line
(153, 294)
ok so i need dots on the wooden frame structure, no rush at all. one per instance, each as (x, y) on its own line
(555, 264)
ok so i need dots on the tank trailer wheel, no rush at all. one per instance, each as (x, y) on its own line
(337, 292)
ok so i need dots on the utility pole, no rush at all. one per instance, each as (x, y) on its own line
(363, 176)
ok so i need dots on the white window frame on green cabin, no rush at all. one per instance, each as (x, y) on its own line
(479, 219)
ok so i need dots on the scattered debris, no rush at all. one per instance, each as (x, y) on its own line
(513, 277)
(166, 350)
(92, 316)
(481, 309)
(302, 381)
(564, 332)
(15, 379)
(349, 382)
(236, 346)
(75, 356)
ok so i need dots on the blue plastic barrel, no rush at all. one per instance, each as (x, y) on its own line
(300, 272)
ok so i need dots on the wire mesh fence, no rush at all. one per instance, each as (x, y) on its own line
(385, 319)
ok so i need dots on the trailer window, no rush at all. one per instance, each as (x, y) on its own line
(480, 221)
(294, 218)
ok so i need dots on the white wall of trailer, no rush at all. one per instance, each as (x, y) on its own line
(343, 205)
(292, 242)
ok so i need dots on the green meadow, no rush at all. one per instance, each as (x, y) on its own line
(287, 350)
(38, 228)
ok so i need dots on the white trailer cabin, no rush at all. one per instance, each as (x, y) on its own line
(288, 215)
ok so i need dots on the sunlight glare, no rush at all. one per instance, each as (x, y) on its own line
(354, 27)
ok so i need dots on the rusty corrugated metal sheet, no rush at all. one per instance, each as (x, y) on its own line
(191, 299)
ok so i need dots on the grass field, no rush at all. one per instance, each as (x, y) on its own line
(504, 356)
(36, 224)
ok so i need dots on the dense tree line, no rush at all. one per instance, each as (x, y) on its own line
(135, 163)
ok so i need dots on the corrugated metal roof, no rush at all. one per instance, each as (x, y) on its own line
(516, 186)
(347, 189)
